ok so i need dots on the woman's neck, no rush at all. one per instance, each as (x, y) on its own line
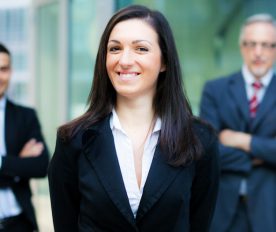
(134, 113)
(137, 118)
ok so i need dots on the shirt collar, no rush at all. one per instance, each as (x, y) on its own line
(250, 79)
(115, 123)
(3, 102)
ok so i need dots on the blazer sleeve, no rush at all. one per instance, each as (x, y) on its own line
(205, 188)
(264, 148)
(63, 183)
(31, 167)
(231, 159)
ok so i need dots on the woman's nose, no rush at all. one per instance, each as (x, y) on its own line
(126, 58)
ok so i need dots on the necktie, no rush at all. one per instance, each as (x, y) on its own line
(253, 103)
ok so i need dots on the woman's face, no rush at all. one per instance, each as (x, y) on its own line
(134, 60)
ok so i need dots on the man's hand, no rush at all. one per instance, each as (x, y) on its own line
(31, 149)
(235, 139)
(238, 140)
(257, 162)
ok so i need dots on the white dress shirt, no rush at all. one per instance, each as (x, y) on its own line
(124, 150)
(8, 204)
(249, 80)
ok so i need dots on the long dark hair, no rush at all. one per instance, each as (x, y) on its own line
(177, 138)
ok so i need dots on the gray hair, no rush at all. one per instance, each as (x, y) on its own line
(257, 18)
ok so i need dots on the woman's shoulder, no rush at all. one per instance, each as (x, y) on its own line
(72, 143)
(82, 135)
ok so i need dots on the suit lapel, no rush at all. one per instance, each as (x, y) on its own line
(238, 92)
(101, 153)
(267, 103)
(10, 124)
(160, 176)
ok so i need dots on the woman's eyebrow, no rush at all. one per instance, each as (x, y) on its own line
(141, 40)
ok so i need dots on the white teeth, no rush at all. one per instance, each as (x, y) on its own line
(128, 75)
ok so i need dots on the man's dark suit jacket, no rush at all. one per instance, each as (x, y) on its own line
(21, 124)
(88, 193)
(225, 105)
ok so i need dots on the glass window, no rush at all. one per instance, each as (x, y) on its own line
(13, 34)
(86, 25)
(47, 70)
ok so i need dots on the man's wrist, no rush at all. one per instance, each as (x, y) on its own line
(245, 141)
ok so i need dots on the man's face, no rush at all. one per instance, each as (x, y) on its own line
(5, 73)
(258, 47)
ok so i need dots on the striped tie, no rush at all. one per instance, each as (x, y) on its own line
(253, 103)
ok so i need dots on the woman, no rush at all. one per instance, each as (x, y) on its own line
(137, 160)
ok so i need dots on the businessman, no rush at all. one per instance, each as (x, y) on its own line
(23, 155)
(242, 108)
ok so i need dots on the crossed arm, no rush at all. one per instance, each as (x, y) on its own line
(31, 161)
(32, 148)
(239, 140)
(239, 151)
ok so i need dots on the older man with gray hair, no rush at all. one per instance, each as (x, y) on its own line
(242, 108)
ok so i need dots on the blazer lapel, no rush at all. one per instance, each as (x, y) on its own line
(10, 128)
(160, 176)
(267, 103)
(238, 91)
(101, 153)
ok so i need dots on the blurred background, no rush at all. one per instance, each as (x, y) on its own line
(54, 44)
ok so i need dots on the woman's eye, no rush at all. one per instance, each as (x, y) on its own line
(142, 49)
(114, 49)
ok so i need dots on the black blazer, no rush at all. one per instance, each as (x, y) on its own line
(88, 193)
(21, 124)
